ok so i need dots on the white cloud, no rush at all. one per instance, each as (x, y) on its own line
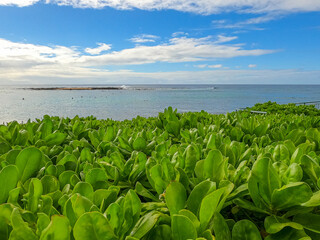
(194, 6)
(208, 66)
(25, 59)
(14, 54)
(95, 51)
(252, 65)
(215, 66)
(19, 3)
(177, 34)
(248, 23)
(201, 65)
(223, 39)
(143, 38)
(176, 50)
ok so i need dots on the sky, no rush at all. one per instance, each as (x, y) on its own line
(159, 42)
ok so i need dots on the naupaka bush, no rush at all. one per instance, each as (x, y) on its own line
(176, 176)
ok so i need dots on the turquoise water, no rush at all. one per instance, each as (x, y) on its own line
(145, 100)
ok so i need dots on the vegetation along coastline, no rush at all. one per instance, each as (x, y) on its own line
(176, 176)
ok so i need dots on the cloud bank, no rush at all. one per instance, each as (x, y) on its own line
(19, 3)
(23, 55)
(194, 6)
(32, 63)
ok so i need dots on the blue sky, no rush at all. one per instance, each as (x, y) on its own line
(149, 41)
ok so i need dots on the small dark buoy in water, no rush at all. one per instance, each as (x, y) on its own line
(81, 96)
(72, 98)
(23, 98)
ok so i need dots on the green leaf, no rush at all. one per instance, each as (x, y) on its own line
(297, 155)
(85, 189)
(245, 230)
(50, 184)
(220, 228)
(156, 176)
(28, 162)
(75, 207)
(309, 221)
(314, 201)
(289, 234)
(142, 191)
(21, 230)
(4, 148)
(293, 173)
(281, 153)
(139, 144)
(192, 217)
(198, 193)
(109, 136)
(182, 228)
(86, 155)
(56, 138)
(145, 224)
(114, 216)
(12, 155)
(93, 226)
(248, 205)
(131, 211)
(161, 232)
(46, 127)
(199, 169)
(5, 219)
(209, 206)
(310, 167)
(173, 127)
(191, 158)
(215, 166)
(42, 222)
(104, 197)
(263, 181)
(58, 229)
(9, 177)
(274, 224)
(34, 194)
(176, 197)
(96, 175)
(291, 195)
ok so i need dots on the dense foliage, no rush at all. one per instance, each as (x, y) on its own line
(291, 108)
(177, 176)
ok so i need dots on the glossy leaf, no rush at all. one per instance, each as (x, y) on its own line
(182, 228)
(28, 162)
(176, 197)
(274, 224)
(291, 195)
(9, 177)
(58, 229)
(215, 166)
(198, 193)
(220, 228)
(93, 226)
(245, 230)
(145, 224)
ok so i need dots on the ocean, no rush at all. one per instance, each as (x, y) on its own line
(21, 103)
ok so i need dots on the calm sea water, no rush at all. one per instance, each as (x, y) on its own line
(145, 100)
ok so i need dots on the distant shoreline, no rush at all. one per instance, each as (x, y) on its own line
(75, 88)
